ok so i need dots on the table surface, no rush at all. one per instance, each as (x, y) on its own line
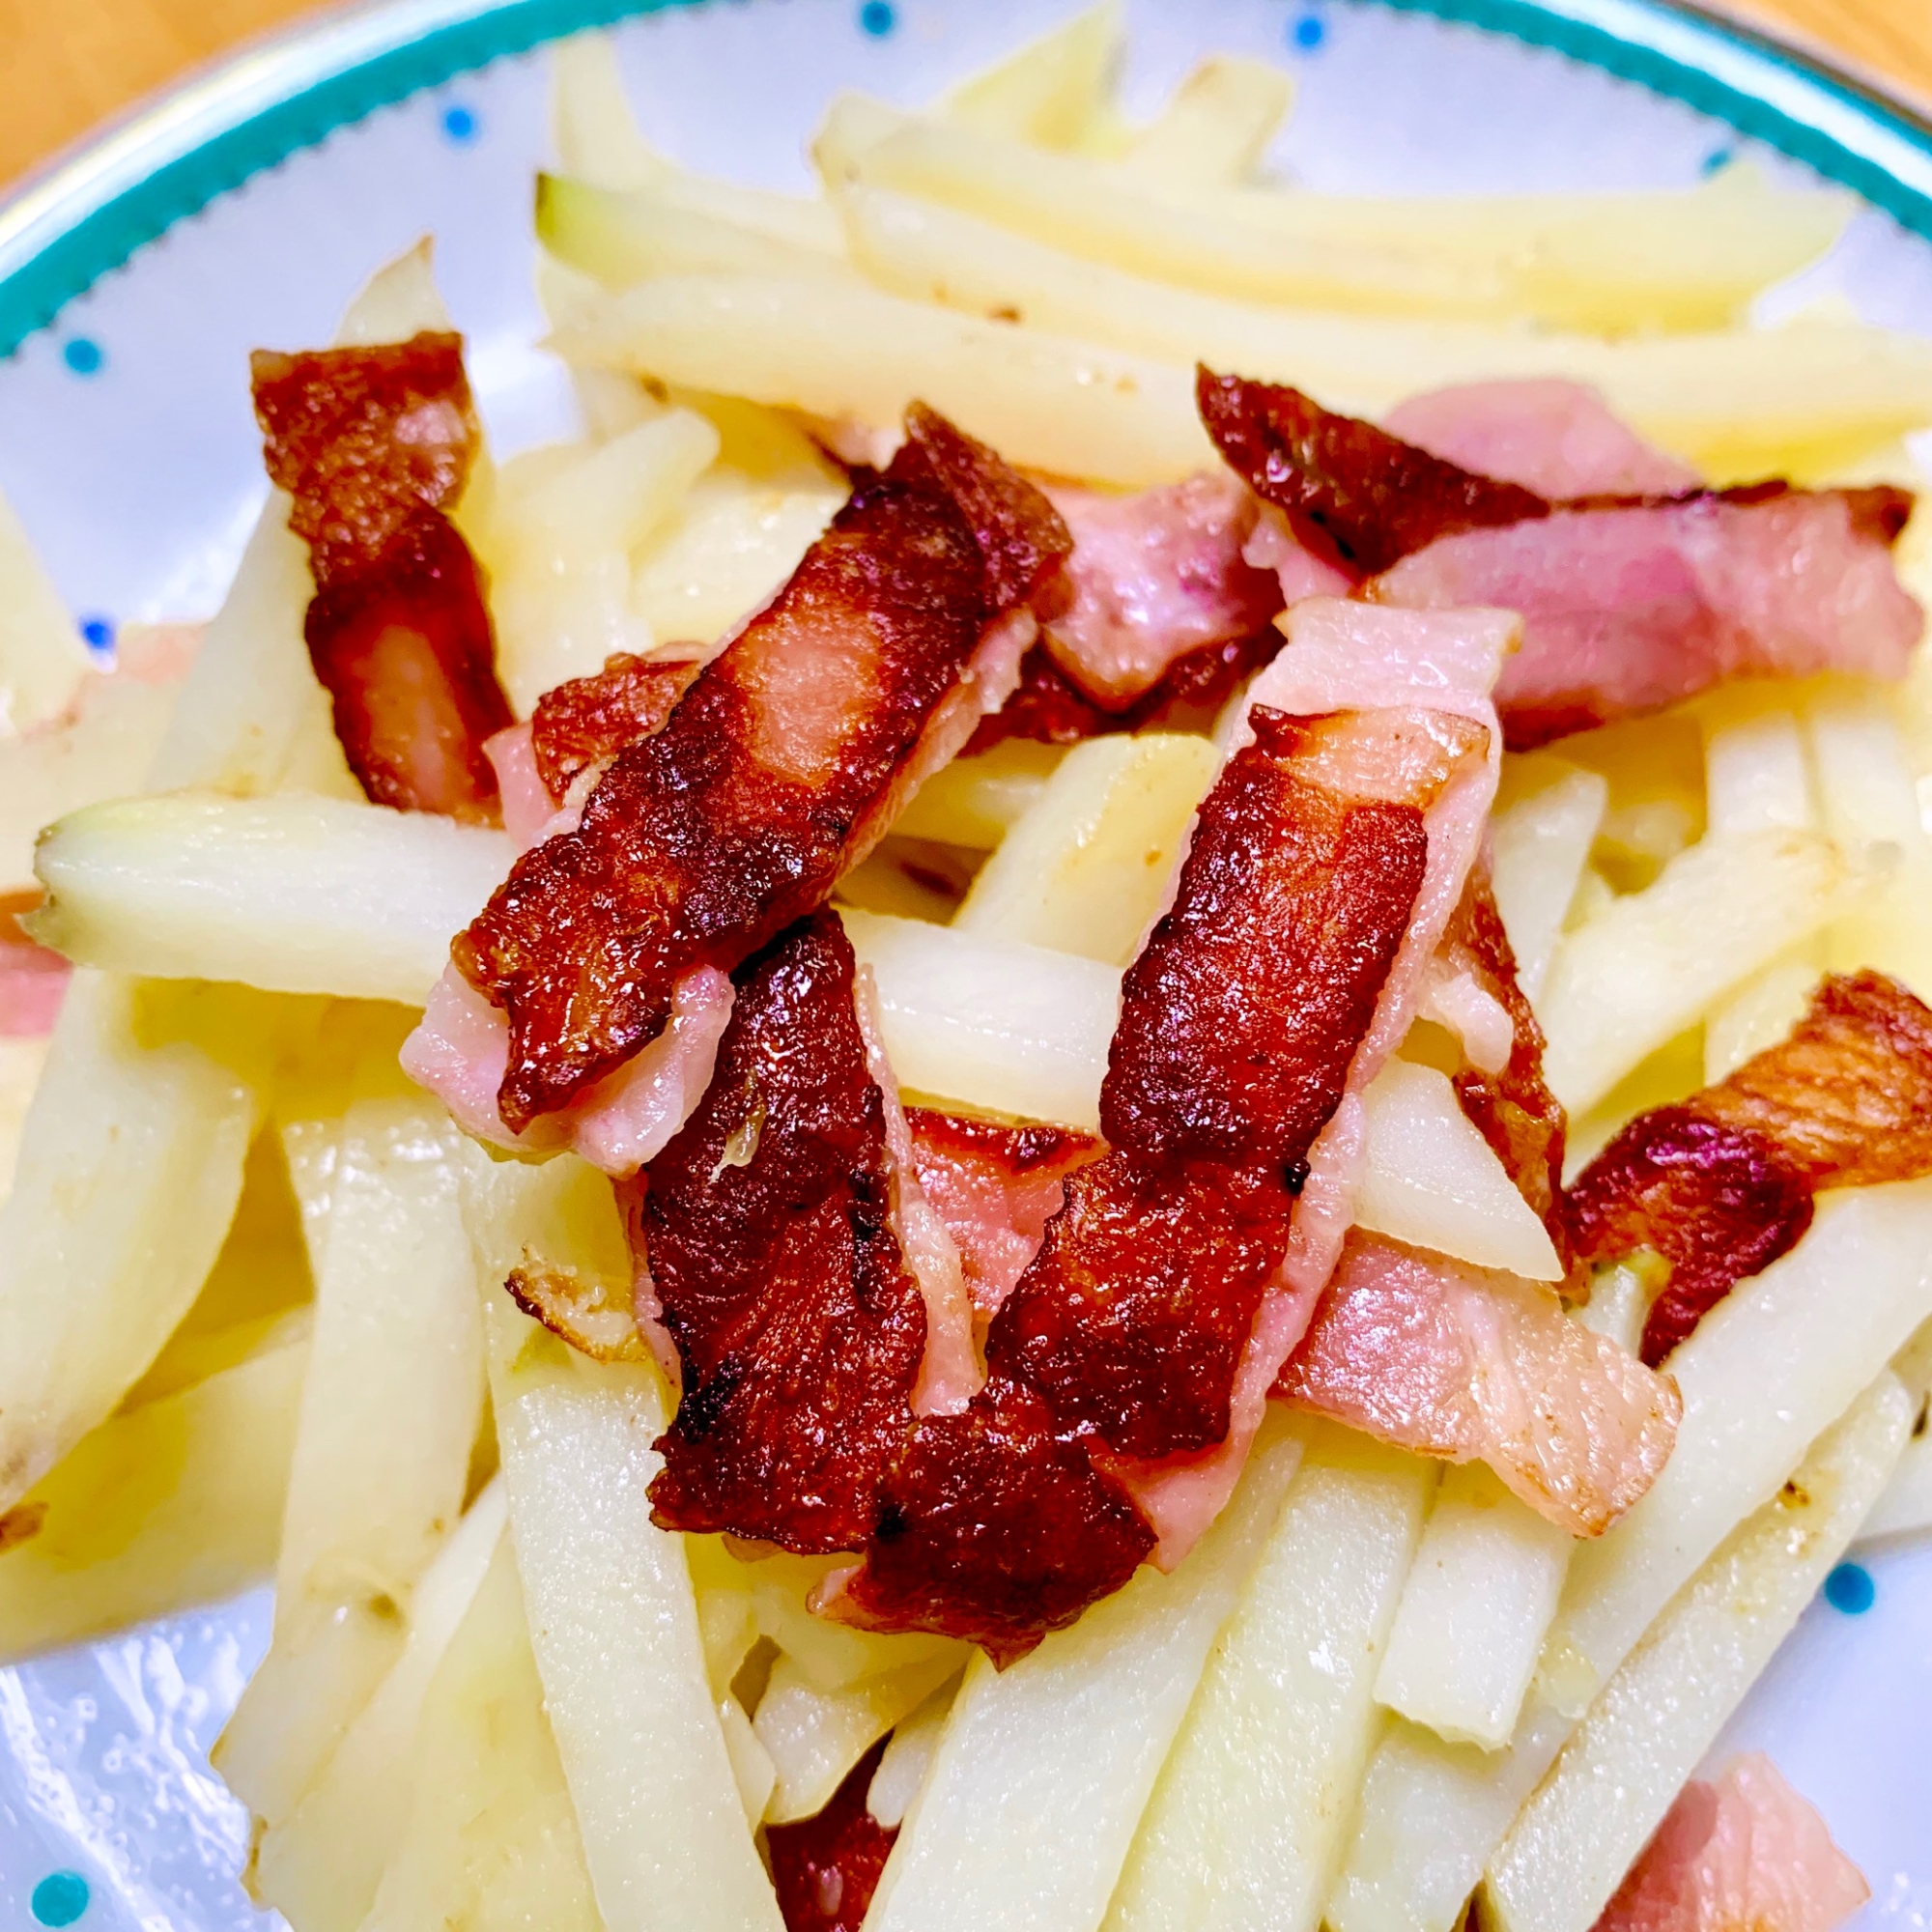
(66, 65)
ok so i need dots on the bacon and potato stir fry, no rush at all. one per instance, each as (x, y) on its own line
(1095, 1094)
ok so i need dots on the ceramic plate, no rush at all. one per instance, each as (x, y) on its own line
(245, 208)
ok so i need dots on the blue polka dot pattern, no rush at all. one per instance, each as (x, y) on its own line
(1308, 33)
(98, 633)
(1717, 157)
(60, 1898)
(83, 355)
(1850, 1588)
(878, 18)
(460, 123)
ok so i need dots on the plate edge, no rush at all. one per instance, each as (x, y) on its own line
(63, 232)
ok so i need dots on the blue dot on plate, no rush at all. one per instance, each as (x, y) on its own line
(1308, 33)
(98, 633)
(878, 18)
(60, 1898)
(1717, 157)
(1850, 1588)
(460, 123)
(83, 355)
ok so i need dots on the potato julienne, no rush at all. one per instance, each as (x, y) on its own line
(1009, 1119)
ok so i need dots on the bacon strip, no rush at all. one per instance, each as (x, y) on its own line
(1453, 1361)
(1430, 668)
(585, 722)
(33, 979)
(825, 1868)
(1745, 1853)
(374, 444)
(1628, 602)
(766, 1221)
(776, 771)
(1511, 1106)
(1556, 438)
(995, 1186)
(1722, 1185)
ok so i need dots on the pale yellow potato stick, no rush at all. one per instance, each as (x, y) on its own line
(173, 1504)
(1739, 403)
(1055, 92)
(1049, 403)
(1250, 1818)
(491, 1842)
(1045, 1768)
(1656, 1719)
(1214, 128)
(292, 893)
(42, 659)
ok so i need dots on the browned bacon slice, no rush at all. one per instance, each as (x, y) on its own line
(585, 722)
(374, 444)
(1512, 1105)
(776, 771)
(774, 1267)
(825, 1868)
(1348, 489)
(1453, 1361)
(1721, 1185)
(1628, 602)
(995, 1186)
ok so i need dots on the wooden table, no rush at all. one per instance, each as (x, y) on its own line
(66, 65)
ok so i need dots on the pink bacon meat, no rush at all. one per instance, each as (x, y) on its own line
(776, 770)
(1452, 1361)
(1628, 602)
(1744, 1854)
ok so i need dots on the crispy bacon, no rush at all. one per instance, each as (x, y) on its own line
(825, 1868)
(1721, 1185)
(995, 1186)
(1628, 602)
(1453, 1361)
(405, 651)
(776, 771)
(798, 1325)
(1511, 1106)
(1350, 491)
(585, 722)
(374, 444)
(1556, 438)
(1744, 1854)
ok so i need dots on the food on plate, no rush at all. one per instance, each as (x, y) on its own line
(1093, 1092)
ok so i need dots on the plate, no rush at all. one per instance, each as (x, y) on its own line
(244, 208)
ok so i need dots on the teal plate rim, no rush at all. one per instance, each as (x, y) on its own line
(89, 215)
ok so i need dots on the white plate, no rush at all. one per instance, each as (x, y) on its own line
(243, 212)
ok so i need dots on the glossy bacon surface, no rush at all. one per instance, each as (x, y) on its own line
(773, 775)
(1348, 489)
(995, 1186)
(405, 651)
(1721, 1185)
(1453, 1361)
(766, 1225)
(1513, 1108)
(1154, 578)
(587, 721)
(825, 1868)
(374, 444)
